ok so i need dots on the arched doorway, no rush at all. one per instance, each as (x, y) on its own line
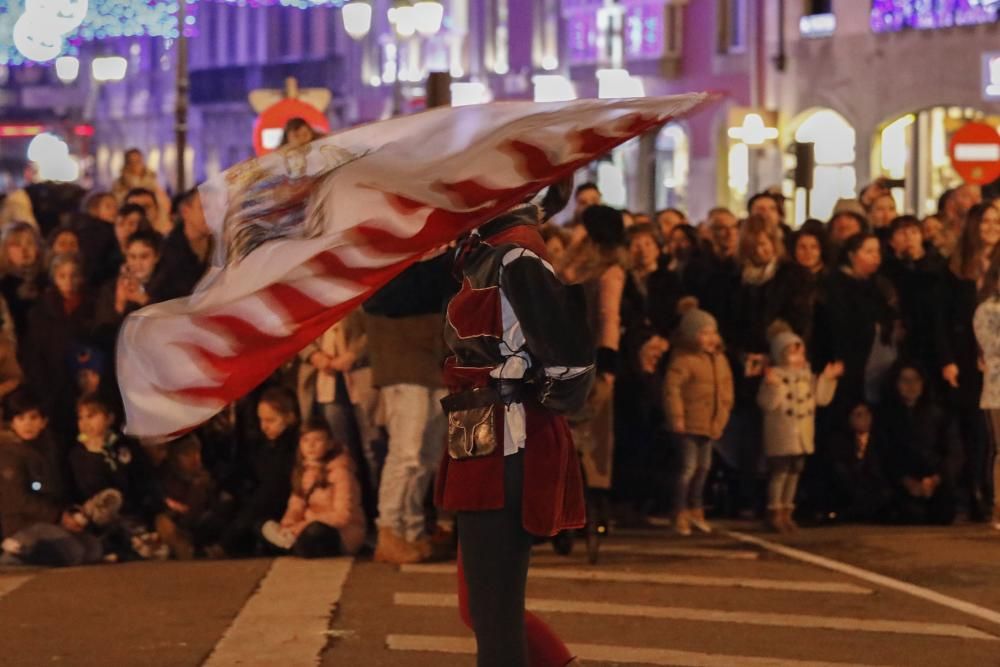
(834, 174)
(913, 148)
(673, 160)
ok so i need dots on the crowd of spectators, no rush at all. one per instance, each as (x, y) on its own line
(847, 370)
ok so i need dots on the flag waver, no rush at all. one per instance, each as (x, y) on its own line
(303, 236)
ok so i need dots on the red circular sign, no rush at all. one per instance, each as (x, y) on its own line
(272, 123)
(975, 153)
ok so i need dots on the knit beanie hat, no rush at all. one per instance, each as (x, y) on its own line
(781, 337)
(693, 320)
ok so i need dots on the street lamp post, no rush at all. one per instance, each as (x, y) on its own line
(183, 86)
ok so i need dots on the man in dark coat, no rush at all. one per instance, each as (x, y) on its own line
(185, 251)
(32, 488)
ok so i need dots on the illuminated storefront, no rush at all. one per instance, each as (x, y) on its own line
(882, 94)
(913, 148)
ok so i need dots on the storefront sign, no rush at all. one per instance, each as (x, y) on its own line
(991, 76)
(897, 15)
(975, 153)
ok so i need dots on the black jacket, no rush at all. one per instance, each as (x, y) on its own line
(99, 248)
(712, 281)
(919, 286)
(47, 355)
(21, 296)
(919, 442)
(958, 344)
(124, 466)
(266, 473)
(178, 270)
(31, 483)
(853, 310)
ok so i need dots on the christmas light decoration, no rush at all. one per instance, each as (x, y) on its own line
(67, 68)
(357, 19)
(70, 23)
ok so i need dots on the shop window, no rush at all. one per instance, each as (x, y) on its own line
(834, 175)
(673, 47)
(818, 19)
(913, 148)
(545, 39)
(732, 26)
(672, 164)
(498, 36)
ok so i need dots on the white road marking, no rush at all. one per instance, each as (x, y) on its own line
(286, 621)
(873, 578)
(715, 616)
(613, 654)
(8, 584)
(680, 552)
(666, 579)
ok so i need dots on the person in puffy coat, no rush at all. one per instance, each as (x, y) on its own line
(789, 397)
(324, 516)
(697, 399)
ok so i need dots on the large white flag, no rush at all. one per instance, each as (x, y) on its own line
(303, 236)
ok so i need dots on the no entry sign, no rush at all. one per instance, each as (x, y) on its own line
(271, 122)
(975, 153)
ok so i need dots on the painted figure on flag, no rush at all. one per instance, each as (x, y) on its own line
(277, 204)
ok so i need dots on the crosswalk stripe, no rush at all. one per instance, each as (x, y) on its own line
(612, 654)
(666, 579)
(680, 552)
(285, 621)
(872, 577)
(8, 584)
(715, 616)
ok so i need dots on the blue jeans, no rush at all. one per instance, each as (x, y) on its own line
(695, 461)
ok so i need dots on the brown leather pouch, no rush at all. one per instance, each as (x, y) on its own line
(472, 431)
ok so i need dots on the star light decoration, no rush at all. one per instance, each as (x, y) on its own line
(45, 35)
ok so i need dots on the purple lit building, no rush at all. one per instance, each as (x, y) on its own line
(493, 49)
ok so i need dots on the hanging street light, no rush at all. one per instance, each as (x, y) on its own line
(109, 68)
(429, 15)
(405, 19)
(67, 68)
(357, 18)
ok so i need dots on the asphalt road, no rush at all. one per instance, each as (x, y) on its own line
(922, 596)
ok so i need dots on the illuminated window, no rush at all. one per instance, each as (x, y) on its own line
(834, 175)
(672, 164)
(732, 26)
(498, 36)
(545, 39)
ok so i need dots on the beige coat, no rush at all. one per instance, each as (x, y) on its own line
(352, 338)
(790, 410)
(698, 393)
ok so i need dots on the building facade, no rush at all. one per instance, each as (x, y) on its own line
(880, 88)
(493, 49)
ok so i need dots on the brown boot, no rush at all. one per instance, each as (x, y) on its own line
(174, 538)
(790, 525)
(775, 521)
(682, 523)
(697, 519)
(391, 548)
